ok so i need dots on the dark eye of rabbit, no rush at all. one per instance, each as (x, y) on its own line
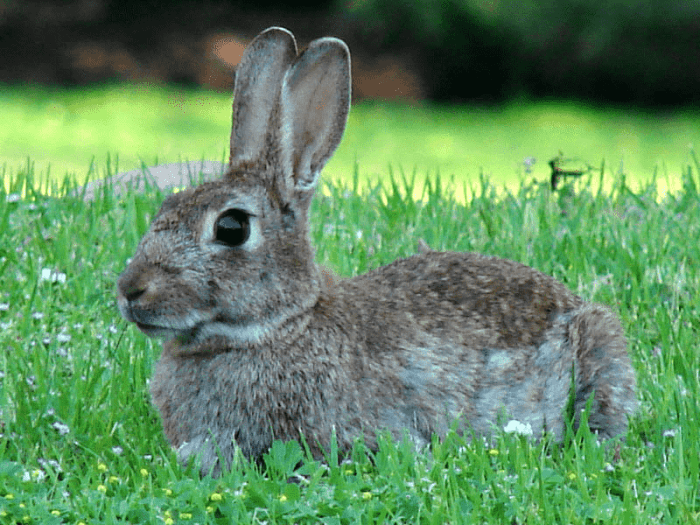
(232, 228)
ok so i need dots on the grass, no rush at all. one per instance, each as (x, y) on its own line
(75, 131)
(80, 442)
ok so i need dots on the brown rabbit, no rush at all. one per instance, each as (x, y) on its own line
(261, 344)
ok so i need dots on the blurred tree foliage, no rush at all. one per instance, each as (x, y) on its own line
(643, 51)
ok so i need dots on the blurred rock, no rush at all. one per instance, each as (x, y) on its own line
(165, 177)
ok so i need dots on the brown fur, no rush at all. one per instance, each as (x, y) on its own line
(264, 344)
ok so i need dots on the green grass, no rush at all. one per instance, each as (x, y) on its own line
(68, 131)
(80, 442)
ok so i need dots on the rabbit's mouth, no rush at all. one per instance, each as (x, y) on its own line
(184, 336)
(166, 329)
(156, 331)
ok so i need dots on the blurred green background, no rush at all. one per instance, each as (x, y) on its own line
(456, 87)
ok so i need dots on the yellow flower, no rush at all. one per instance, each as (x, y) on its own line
(113, 479)
(366, 495)
(168, 521)
(144, 473)
(209, 509)
(102, 489)
(215, 497)
(102, 467)
(494, 452)
(55, 512)
(9, 496)
(572, 476)
(283, 498)
(168, 492)
(186, 515)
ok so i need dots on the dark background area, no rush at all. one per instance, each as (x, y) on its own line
(644, 53)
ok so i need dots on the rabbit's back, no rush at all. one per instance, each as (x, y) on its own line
(469, 298)
(477, 338)
(449, 336)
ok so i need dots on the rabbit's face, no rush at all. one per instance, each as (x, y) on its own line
(231, 259)
(227, 259)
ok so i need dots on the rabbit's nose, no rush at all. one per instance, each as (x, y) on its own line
(132, 284)
(131, 294)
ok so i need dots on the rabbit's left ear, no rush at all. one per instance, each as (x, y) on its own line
(314, 106)
(258, 82)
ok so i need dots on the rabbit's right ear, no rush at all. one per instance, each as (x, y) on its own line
(314, 106)
(256, 93)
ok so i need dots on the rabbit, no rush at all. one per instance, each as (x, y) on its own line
(263, 344)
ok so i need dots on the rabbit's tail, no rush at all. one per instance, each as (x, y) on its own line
(603, 369)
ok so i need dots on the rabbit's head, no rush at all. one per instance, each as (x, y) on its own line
(231, 259)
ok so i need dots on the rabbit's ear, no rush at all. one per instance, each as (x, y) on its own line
(314, 106)
(256, 93)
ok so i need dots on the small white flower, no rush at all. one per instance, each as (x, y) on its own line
(13, 197)
(239, 493)
(62, 428)
(113, 329)
(52, 276)
(671, 432)
(37, 475)
(4, 307)
(63, 337)
(5, 326)
(37, 315)
(51, 463)
(118, 450)
(516, 427)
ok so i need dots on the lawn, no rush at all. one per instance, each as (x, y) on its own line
(70, 131)
(80, 442)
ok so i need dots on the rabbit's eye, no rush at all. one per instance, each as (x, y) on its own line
(232, 228)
